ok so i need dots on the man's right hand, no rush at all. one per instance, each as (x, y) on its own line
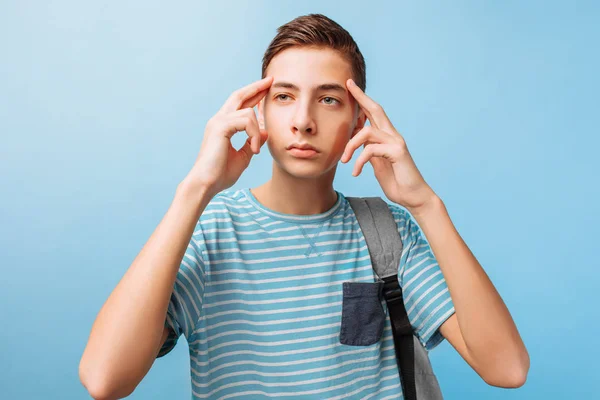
(219, 165)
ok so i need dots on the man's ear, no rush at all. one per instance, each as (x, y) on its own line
(360, 121)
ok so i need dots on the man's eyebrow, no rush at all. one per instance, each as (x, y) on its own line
(324, 86)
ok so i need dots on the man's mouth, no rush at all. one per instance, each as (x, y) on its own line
(302, 150)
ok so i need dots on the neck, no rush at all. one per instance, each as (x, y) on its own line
(288, 194)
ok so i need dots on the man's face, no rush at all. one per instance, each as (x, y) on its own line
(308, 102)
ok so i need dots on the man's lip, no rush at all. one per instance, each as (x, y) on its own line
(300, 148)
(302, 153)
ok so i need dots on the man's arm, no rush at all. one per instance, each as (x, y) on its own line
(482, 329)
(129, 329)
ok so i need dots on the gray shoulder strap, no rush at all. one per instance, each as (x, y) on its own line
(381, 233)
(385, 247)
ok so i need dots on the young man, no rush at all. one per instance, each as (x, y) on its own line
(253, 277)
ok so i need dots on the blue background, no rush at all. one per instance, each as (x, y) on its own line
(102, 112)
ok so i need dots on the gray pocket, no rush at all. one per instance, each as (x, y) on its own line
(362, 313)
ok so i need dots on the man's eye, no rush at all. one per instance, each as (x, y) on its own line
(330, 100)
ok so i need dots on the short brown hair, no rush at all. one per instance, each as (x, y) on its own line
(317, 30)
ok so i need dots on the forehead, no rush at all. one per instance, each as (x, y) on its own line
(309, 66)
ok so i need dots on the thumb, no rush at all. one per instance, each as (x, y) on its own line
(245, 153)
(240, 159)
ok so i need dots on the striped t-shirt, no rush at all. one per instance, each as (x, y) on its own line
(258, 297)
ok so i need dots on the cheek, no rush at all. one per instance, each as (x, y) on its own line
(273, 117)
(274, 121)
(336, 144)
(342, 136)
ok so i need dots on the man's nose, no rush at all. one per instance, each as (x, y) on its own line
(303, 120)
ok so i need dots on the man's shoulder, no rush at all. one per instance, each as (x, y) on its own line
(226, 212)
(399, 212)
(224, 202)
(401, 216)
(229, 196)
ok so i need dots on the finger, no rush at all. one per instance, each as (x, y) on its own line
(374, 111)
(237, 98)
(367, 133)
(241, 160)
(251, 102)
(263, 139)
(245, 120)
(370, 151)
(247, 151)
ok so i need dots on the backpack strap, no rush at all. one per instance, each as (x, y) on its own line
(385, 248)
(381, 234)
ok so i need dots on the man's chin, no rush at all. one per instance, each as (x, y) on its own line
(304, 169)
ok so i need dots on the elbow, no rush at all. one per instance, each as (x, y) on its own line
(99, 393)
(512, 377)
(513, 380)
(96, 389)
(99, 386)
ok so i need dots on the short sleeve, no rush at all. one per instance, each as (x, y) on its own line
(187, 296)
(426, 296)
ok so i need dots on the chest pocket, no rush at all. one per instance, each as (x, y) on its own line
(363, 317)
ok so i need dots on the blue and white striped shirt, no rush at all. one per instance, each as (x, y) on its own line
(258, 297)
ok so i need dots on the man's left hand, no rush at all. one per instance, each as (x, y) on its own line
(387, 152)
